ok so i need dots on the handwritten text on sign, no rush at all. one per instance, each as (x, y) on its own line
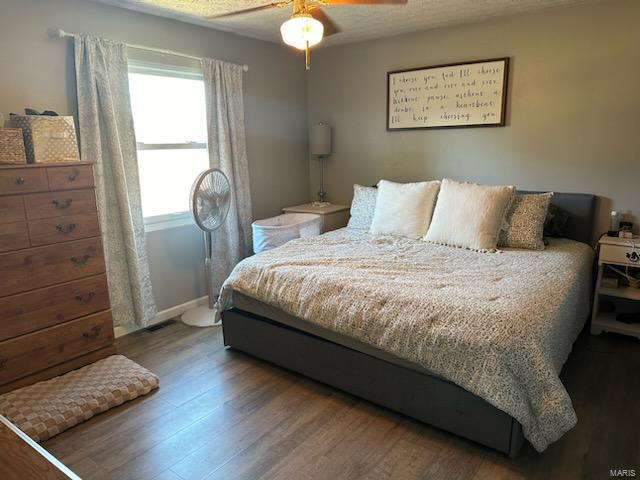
(458, 95)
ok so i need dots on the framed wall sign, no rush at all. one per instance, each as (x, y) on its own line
(469, 94)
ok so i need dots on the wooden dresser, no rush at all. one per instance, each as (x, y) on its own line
(54, 302)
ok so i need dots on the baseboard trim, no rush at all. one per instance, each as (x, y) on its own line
(162, 316)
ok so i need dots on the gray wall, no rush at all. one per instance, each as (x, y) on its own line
(573, 110)
(37, 71)
(573, 120)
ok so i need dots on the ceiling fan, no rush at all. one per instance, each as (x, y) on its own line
(308, 24)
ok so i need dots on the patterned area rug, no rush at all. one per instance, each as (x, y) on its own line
(48, 408)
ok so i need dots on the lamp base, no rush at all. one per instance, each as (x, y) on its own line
(322, 195)
(320, 204)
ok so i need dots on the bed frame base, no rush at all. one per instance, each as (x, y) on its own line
(429, 399)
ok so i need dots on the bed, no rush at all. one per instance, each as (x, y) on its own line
(468, 342)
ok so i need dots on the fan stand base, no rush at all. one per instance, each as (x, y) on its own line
(200, 316)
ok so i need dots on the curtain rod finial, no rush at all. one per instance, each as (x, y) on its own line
(56, 33)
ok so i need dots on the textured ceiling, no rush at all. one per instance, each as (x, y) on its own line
(357, 22)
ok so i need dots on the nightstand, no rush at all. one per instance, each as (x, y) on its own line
(332, 216)
(620, 253)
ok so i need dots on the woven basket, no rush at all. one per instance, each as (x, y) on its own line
(11, 146)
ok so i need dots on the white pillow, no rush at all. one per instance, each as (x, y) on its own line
(362, 207)
(404, 208)
(469, 215)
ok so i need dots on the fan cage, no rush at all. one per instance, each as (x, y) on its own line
(210, 199)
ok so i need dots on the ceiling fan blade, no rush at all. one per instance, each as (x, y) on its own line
(250, 10)
(362, 2)
(329, 27)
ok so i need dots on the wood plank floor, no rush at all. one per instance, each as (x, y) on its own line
(220, 414)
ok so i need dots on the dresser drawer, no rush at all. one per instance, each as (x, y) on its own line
(13, 236)
(36, 351)
(58, 204)
(11, 209)
(43, 266)
(620, 254)
(21, 180)
(32, 311)
(62, 229)
(76, 176)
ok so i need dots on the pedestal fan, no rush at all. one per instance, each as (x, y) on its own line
(210, 198)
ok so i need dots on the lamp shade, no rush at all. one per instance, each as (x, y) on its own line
(302, 31)
(320, 139)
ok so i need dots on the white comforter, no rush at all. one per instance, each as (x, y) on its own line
(500, 325)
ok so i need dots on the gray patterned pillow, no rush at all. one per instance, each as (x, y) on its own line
(525, 221)
(362, 207)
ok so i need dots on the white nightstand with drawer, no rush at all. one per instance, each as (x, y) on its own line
(620, 253)
(332, 216)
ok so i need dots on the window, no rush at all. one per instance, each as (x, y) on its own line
(169, 116)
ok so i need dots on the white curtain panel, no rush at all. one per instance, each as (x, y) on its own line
(228, 152)
(107, 138)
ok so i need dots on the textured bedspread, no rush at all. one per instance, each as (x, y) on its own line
(500, 325)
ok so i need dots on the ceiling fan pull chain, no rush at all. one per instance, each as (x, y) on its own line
(306, 57)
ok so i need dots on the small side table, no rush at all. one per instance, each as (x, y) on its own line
(332, 216)
(618, 252)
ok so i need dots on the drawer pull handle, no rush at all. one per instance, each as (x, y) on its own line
(3, 363)
(95, 331)
(62, 205)
(66, 228)
(20, 181)
(80, 260)
(86, 298)
(73, 176)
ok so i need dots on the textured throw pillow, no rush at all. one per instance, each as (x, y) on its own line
(469, 215)
(404, 208)
(525, 221)
(362, 207)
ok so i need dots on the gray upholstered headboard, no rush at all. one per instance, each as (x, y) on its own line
(581, 208)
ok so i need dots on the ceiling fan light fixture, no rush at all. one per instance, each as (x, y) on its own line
(302, 31)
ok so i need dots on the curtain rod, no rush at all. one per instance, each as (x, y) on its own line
(60, 33)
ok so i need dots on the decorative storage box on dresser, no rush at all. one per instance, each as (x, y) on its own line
(54, 303)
